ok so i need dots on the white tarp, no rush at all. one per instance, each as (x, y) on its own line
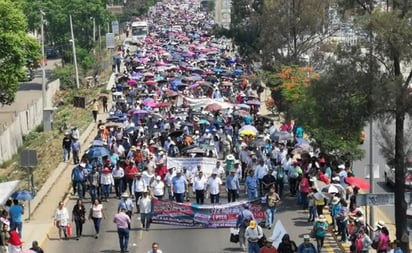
(6, 189)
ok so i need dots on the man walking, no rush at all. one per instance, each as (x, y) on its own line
(126, 203)
(252, 234)
(199, 187)
(232, 186)
(138, 187)
(122, 221)
(145, 206)
(213, 187)
(179, 186)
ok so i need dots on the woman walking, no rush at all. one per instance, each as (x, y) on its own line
(79, 217)
(61, 219)
(320, 227)
(96, 214)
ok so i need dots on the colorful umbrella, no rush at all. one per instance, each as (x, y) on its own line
(137, 112)
(22, 195)
(203, 122)
(358, 182)
(132, 82)
(248, 128)
(213, 107)
(96, 152)
(247, 133)
(150, 82)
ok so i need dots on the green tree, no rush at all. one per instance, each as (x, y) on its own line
(16, 48)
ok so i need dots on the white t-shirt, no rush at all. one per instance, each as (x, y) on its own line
(62, 215)
(158, 188)
(97, 211)
(199, 183)
(214, 185)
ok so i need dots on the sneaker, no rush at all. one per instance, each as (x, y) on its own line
(97, 236)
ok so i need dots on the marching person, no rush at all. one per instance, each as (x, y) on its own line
(96, 215)
(155, 248)
(79, 217)
(252, 234)
(118, 176)
(179, 186)
(268, 247)
(126, 203)
(213, 187)
(307, 246)
(138, 187)
(122, 221)
(199, 187)
(61, 219)
(145, 206)
(158, 188)
(272, 200)
(232, 186)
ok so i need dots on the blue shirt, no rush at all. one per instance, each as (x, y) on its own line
(251, 182)
(114, 158)
(232, 182)
(179, 184)
(16, 212)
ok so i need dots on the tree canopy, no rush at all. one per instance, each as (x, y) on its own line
(16, 48)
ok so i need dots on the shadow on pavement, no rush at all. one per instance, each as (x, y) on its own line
(232, 249)
(30, 86)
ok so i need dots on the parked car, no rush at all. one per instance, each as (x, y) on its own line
(29, 75)
(52, 53)
(390, 175)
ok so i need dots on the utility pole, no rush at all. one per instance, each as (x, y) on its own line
(43, 69)
(74, 54)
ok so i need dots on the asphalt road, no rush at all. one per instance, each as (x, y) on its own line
(361, 168)
(28, 93)
(174, 239)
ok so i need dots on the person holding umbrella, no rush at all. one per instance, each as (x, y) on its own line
(16, 212)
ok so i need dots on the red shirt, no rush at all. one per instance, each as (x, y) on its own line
(130, 171)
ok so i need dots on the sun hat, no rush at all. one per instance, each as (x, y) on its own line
(237, 162)
(233, 170)
(252, 224)
(380, 224)
(83, 165)
(321, 218)
(336, 179)
(101, 127)
(269, 240)
(158, 178)
(335, 200)
(230, 157)
(306, 237)
(341, 166)
(125, 195)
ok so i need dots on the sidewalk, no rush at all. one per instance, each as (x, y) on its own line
(55, 189)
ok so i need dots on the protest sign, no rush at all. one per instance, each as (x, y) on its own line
(207, 163)
(207, 216)
(278, 232)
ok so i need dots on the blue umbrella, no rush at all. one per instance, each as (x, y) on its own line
(97, 143)
(96, 152)
(22, 195)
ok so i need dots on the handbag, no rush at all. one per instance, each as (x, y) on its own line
(234, 235)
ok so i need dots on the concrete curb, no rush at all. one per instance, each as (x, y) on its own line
(50, 182)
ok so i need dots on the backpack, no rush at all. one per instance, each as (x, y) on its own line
(78, 175)
(359, 244)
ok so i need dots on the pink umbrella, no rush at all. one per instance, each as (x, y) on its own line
(150, 82)
(150, 104)
(132, 82)
(162, 104)
(148, 75)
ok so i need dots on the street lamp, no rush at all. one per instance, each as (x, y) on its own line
(94, 28)
(74, 54)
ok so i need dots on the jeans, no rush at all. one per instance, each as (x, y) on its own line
(292, 185)
(180, 197)
(118, 186)
(319, 242)
(304, 199)
(106, 190)
(251, 194)
(312, 213)
(231, 195)
(97, 222)
(123, 238)
(343, 224)
(214, 198)
(253, 247)
(18, 226)
(93, 191)
(145, 219)
(279, 187)
(79, 188)
(76, 158)
(66, 154)
(200, 196)
(270, 216)
(137, 195)
(79, 226)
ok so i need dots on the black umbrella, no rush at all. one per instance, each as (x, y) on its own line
(176, 133)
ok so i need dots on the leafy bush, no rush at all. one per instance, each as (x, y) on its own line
(66, 76)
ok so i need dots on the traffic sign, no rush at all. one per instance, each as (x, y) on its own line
(115, 27)
(380, 199)
(28, 158)
(110, 41)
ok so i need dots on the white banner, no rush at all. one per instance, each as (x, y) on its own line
(207, 163)
(278, 232)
